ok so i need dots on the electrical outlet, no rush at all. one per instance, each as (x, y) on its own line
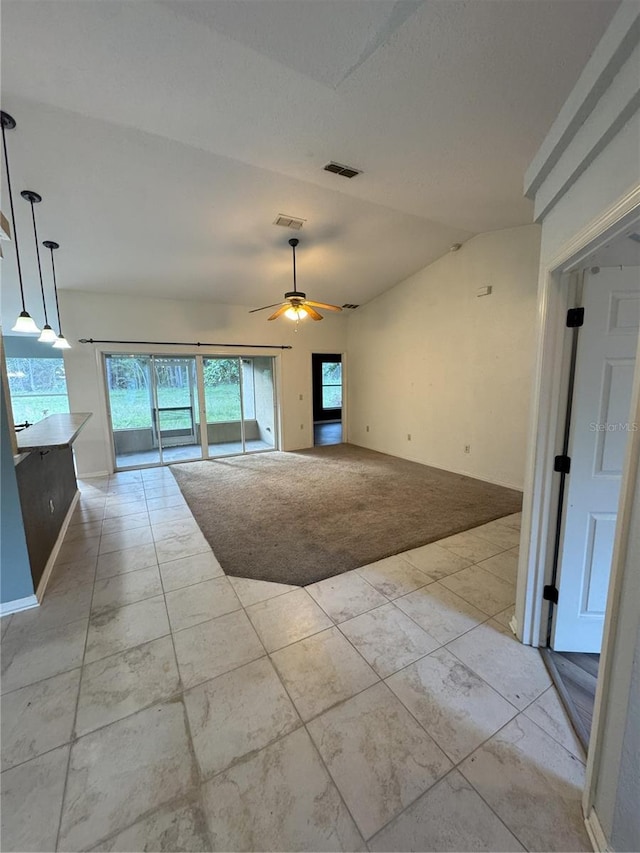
(367, 427)
(467, 448)
(408, 436)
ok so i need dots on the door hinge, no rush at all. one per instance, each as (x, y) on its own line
(575, 318)
(562, 464)
(550, 593)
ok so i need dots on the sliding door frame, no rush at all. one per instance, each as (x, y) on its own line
(180, 352)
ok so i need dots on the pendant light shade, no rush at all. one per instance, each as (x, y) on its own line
(48, 335)
(25, 323)
(61, 342)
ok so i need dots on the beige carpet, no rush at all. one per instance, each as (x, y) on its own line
(300, 517)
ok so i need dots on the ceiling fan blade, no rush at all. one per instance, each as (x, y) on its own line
(323, 305)
(279, 312)
(264, 307)
(312, 312)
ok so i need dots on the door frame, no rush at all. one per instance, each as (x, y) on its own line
(541, 487)
(345, 389)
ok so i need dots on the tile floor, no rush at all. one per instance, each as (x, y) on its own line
(153, 703)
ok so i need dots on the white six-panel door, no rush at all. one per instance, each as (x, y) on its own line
(600, 427)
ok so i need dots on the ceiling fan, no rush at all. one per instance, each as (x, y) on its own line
(296, 305)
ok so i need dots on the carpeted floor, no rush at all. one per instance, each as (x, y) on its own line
(300, 517)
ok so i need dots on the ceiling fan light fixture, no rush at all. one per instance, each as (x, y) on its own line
(295, 312)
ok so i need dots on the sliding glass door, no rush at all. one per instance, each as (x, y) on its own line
(166, 409)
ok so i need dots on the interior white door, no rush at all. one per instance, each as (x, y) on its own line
(600, 426)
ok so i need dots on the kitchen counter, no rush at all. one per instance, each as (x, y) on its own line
(53, 432)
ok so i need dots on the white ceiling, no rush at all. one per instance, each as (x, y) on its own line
(166, 136)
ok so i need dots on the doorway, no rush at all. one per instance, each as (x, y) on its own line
(590, 467)
(326, 371)
(166, 409)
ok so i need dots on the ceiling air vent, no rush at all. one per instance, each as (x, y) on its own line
(289, 221)
(349, 305)
(341, 169)
(635, 237)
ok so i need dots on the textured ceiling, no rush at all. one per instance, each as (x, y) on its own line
(166, 136)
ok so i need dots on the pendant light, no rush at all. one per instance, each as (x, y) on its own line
(24, 323)
(48, 336)
(61, 341)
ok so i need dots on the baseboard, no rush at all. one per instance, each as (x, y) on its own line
(513, 624)
(53, 556)
(92, 474)
(595, 833)
(8, 607)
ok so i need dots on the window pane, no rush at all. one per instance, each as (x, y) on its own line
(222, 389)
(331, 396)
(38, 388)
(331, 373)
(129, 383)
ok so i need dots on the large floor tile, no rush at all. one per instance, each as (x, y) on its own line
(549, 713)
(4, 624)
(127, 560)
(118, 508)
(67, 576)
(250, 591)
(165, 501)
(498, 534)
(482, 589)
(215, 647)
(176, 527)
(128, 626)
(80, 532)
(122, 539)
(517, 672)
(126, 522)
(31, 802)
(182, 545)
(503, 565)
(450, 816)
(32, 657)
(79, 549)
(379, 757)
(471, 547)
(513, 520)
(238, 713)
(118, 773)
(126, 588)
(199, 603)
(388, 639)
(394, 576)
(505, 617)
(322, 670)
(287, 619)
(170, 828)
(442, 613)
(533, 785)
(189, 570)
(345, 596)
(281, 799)
(160, 516)
(116, 686)
(456, 707)
(38, 717)
(57, 608)
(436, 562)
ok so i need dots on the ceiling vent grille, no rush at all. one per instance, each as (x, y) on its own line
(289, 221)
(635, 237)
(341, 169)
(350, 305)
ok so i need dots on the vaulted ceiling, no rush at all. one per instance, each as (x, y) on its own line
(165, 137)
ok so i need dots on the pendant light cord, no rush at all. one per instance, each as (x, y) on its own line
(35, 234)
(13, 215)
(55, 290)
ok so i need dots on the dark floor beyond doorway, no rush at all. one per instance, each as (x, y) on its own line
(327, 434)
(575, 675)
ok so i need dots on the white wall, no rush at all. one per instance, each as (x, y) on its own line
(114, 317)
(431, 358)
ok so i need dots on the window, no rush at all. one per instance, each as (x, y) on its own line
(38, 388)
(331, 385)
